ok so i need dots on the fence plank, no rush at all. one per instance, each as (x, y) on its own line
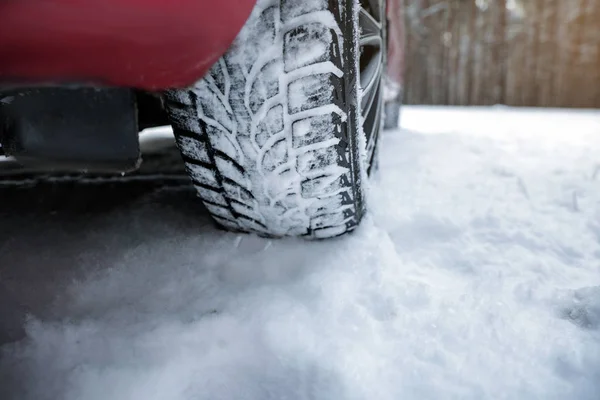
(518, 52)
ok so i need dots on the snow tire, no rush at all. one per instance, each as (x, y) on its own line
(272, 136)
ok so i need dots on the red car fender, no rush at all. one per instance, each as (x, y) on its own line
(148, 44)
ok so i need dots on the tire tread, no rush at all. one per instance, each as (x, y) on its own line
(240, 126)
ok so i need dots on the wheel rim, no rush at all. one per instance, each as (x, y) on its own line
(371, 49)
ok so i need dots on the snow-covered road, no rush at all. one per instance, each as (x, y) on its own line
(476, 276)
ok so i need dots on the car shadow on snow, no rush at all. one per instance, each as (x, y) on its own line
(56, 231)
(76, 250)
(105, 262)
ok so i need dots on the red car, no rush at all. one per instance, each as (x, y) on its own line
(276, 105)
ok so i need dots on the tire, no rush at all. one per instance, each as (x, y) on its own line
(392, 99)
(272, 137)
(392, 115)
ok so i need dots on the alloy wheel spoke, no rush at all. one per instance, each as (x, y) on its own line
(371, 70)
(375, 8)
(370, 84)
(368, 24)
(373, 115)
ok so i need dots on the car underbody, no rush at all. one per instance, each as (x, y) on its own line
(87, 129)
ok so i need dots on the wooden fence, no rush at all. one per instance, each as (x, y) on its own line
(543, 53)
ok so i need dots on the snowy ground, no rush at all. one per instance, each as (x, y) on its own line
(476, 276)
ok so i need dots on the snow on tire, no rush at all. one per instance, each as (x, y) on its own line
(271, 136)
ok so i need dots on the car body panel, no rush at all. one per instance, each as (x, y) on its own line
(146, 44)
